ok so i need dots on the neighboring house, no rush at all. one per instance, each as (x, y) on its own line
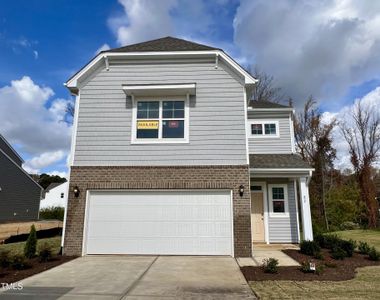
(169, 157)
(19, 194)
(55, 195)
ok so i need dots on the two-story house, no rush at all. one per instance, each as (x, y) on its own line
(20, 195)
(170, 157)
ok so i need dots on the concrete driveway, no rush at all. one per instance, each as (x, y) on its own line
(138, 277)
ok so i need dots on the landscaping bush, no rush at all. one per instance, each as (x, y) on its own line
(348, 225)
(348, 247)
(338, 253)
(328, 241)
(31, 243)
(45, 254)
(5, 259)
(373, 254)
(364, 248)
(52, 213)
(19, 262)
(319, 255)
(309, 248)
(270, 265)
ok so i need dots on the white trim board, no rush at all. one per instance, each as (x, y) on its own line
(72, 83)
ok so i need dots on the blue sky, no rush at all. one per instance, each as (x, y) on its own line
(325, 48)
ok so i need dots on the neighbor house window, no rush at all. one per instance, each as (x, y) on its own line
(160, 120)
(278, 199)
(264, 128)
(62, 195)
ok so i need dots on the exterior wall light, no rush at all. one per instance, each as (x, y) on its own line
(76, 191)
(241, 190)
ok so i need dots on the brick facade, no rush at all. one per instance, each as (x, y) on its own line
(178, 177)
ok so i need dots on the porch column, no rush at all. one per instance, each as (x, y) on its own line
(307, 226)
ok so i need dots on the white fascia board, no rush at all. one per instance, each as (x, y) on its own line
(281, 170)
(271, 109)
(167, 89)
(73, 81)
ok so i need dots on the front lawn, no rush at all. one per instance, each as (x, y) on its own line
(18, 248)
(366, 285)
(372, 237)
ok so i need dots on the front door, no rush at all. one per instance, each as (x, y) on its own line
(257, 217)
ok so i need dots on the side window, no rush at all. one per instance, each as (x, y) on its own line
(256, 129)
(62, 195)
(278, 199)
(262, 128)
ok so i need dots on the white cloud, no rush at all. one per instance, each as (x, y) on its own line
(60, 174)
(44, 160)
(35, 53)
(312, 47)
(104, 47)
(143, 20)
(34, 122)
(371, 100)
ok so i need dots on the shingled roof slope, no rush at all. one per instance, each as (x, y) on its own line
(277, 161)
(266, 104)
(163, 44)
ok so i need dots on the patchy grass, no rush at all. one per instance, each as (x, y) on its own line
(18, 248)
(366, 285)
(372, 237)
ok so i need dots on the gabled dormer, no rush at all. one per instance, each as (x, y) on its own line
(270, 128)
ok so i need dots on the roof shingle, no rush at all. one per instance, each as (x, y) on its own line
(277, 161)
(163, 44)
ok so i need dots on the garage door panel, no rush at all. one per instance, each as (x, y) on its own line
(183, 223)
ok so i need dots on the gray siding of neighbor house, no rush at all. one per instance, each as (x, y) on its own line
(216, 124)
(279, 145)
(4, 146)
(19, 195)
(284, 229)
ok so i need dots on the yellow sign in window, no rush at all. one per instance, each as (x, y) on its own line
(147, 125)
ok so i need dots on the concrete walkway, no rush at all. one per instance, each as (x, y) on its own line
(264, 251)
(138, 277)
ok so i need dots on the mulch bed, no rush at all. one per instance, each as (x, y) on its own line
(342, 269)
(35, 266)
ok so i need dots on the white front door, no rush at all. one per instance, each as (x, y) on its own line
(159, 222)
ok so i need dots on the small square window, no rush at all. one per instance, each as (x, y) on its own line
(278, 193)
(173, 109)
(257, 129)
(148, 109)
(62, 195)
(270, 129)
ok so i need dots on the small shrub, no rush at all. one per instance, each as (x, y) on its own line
(319, 255)
(270, 265)
(331, 265)
(31, 243)
(338, 253)
(305, 267)
(19, 262)
(319, 269)
(330, 241)
(348, 225)
(52, 213)
(373, 254)
(348, 247)
(45, 254)
(364, 248)
(5, 259)
(309, 248)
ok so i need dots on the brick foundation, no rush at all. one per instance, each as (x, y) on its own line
(178, 177)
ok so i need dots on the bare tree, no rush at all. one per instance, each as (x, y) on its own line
(363, 138)
(69, 110)
(265, 89)
(314, 143)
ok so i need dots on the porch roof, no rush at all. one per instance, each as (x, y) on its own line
(276, 164)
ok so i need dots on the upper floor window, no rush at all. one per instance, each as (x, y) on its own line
(264, 128)
(161, 120)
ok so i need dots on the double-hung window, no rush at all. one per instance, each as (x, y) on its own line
(161, 120)
(263, 128)
(278, 199)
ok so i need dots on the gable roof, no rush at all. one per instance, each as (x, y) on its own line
(167, 46)
(11, 149)
(266, 104)
(277, 161)
(163, 44)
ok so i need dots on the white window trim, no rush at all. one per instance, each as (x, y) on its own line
(286, 199)
(160, 140)
(263, 122)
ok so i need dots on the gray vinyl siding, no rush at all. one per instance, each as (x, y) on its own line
(4, 146)
(284, 229)
(281, 144)
(19, 196)
(216, 122)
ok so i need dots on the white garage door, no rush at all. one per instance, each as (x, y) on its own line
(159, 222)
